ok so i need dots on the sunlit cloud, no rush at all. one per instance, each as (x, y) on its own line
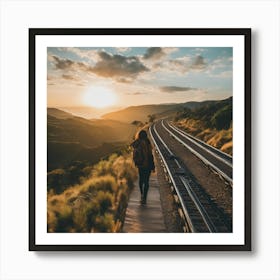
(118, 66)
(83, 53)
(124, 80)
(180, 65)
(137, 93)
(69, 77)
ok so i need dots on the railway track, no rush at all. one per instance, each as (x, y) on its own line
(220, 162)
(197, 209)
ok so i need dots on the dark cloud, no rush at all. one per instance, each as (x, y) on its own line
(80, 84)
(69, 65)
(109, 66)
(199, 63)
(154, 53)
(69, 77)
(124, 80)
(176, 89)
(118, 66)
(62, 63)
(137, 93)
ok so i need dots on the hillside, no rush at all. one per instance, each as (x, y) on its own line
(59, 114)
(73, 138)
(210, 122)
(88, 112)
(140, 113)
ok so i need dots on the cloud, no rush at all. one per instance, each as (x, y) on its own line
(221, 63)
(124, 80)
(68, 65)
(84, 53)
(223, 74)
(176, 89)
(118, 66)
(182, 65)
(179, 65)
(154, 53)
(198, 63)
(108, 66)
(137, 93)
(69, 77)
(62, 63)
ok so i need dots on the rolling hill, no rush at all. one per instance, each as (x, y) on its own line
(88, 112)
(140, 113)
(211, 122)
(73, 138)
(59, 114)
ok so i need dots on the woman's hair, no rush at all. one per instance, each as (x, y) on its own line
(142, 134)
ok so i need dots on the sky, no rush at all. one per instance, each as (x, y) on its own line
(121, 77)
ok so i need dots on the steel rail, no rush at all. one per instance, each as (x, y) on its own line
(223, 154)
(185, 211)
(206, 161)
(202, 145)
(207, 220)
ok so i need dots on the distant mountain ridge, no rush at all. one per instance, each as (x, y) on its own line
(88, 112)
(141, 112)
(72, 138)
(59, 114)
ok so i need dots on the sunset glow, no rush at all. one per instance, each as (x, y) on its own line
(99, 97)
(105, 77)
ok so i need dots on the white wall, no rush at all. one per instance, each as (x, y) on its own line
(17, 262)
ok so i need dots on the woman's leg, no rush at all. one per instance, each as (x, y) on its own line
(147, 174)
(141, 180)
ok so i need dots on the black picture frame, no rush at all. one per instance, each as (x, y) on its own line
(34, 32)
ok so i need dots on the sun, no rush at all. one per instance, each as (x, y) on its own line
(99, 97)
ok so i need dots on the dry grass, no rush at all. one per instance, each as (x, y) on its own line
(220, 139)
(97, 203)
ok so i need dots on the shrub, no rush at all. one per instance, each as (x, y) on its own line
(222, 118)
(105, 223)
(97, 201)
(56, 179)
(59, 215)
(105, 201)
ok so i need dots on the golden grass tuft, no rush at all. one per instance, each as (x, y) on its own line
(220, 139)
(227, 148)
(97, 202)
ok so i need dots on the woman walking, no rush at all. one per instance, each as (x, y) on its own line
(144, 160)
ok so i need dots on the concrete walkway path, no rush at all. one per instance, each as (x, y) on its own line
(148, 217)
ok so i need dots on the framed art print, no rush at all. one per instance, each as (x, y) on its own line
(140, 139)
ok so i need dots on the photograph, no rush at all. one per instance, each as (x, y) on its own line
(139, 139)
